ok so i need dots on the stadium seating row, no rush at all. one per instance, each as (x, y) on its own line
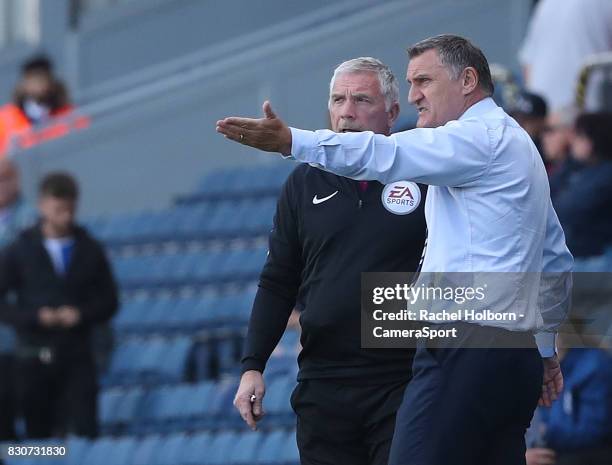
(158, 359)
(166, 314)
(221, 219)
(188, 407)
(242, 182)
(183, 268)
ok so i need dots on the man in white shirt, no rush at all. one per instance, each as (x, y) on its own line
(488, 209)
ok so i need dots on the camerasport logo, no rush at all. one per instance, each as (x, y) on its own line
(401, 197)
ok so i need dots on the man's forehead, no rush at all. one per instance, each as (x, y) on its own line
(358, 81)
(426, 63)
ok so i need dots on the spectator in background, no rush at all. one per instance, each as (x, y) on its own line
(561, 35)
(530, 110)
(15, 215)
(556, 147)
(64, 287)
(576, 430)
(38, 98)
(585, 200)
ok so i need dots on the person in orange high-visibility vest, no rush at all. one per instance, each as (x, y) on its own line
(39, 98)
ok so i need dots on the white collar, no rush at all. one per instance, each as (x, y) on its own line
(479, 108)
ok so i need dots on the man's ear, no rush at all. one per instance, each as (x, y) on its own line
(469, 80)
(392, 114)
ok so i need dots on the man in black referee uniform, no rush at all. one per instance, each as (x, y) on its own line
(327, 231)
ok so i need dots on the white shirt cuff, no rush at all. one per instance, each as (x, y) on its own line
(303, 145)
(546, 344)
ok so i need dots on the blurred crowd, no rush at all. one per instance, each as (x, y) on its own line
(568, 114)
(577, 151)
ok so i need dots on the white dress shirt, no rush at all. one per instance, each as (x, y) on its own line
(488, 205)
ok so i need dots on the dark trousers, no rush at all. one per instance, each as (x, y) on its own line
(468, 406)
(339, 423)
(592, 456)
(58, 398)
(8, 401)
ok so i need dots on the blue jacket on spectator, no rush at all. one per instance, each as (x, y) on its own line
(582, 417)
(584, 206)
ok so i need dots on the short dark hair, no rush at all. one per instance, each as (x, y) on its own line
(37, 64)
(596, 128)
(59, 185)
(457, 53)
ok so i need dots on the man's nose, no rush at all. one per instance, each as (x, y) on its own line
(348, 110)
(414, 95)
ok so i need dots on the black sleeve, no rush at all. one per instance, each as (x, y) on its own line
(10, 281)
(278, 283)
(103, 302)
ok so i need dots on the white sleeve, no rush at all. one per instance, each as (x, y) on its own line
(554, 299)
(456, 154)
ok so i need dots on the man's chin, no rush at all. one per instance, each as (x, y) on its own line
(424, 123)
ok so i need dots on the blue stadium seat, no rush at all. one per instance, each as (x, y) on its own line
(171, 450)
(271, 448)
(196, 448)
(227, 352)
(98, 453)
(156, 360)
(203, 361)
(131, 314)
(220, 411)
(150, 417)
(153, 318)
(220, 448)
(179, 311)
(173, 410)
(146, 449)
(234, 309)
(77, 448)
(121, 451)
(245, 449)
(123, 363)
(119, 407)
(290, 454)
(173, 362)
(198, 405)
(277, 402)
(203, 314)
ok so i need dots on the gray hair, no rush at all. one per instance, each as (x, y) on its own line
(457, 53)
(389, 87)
